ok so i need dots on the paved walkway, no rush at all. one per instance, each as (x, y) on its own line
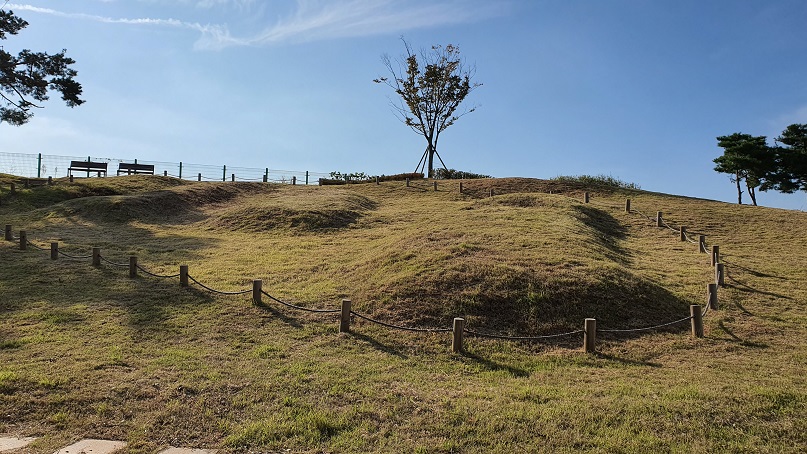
(89, 446)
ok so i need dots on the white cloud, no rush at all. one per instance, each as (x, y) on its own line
(315, 20)
(204, 29)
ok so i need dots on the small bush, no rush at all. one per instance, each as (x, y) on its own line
(595, 180)
(451, 174)
(341, 180)
(355, 176)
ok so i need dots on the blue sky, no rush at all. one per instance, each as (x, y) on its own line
(636, 89)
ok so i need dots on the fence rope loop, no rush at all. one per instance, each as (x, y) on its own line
(648, 328)
(124, 265)
(403, 328)
(500, 336)
(156, 275)
(293, 306)
(220, 292)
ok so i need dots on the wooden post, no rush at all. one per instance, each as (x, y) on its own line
(265, 179)
(627, 205)
(13, 188)
(23, 240)
(659, 219)
(376, 180)
(683, 233)
(435, 186)
(715, 254)
(407, 182)
(9, 237)
(232, 177)
(711, 291)
(293, 180)
(132, 266)
(257, 286)
(54, 251)
(696, 313)
(183, 275)
(71, 178)
(165, 173)
(96, 256)
(344, 319)
(590, 335)
(50, 181)
(702, 243)
(460, 187)
(199, 177)
(720, 272)
(585, 197)
(456, 340)
(491, 192)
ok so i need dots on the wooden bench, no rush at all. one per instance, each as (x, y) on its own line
(87, 166)
(134, 169)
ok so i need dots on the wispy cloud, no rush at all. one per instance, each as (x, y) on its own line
(110, 20)
(316, 20)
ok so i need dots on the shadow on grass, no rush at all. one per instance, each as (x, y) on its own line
(743, 287)
(291, 321)
(611, 229)
(391, 350)
(490, 365)
(752, 272)
(735, 338)
(626, 361)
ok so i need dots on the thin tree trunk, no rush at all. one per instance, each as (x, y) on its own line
(739, 189)
(431, 162)
(752, 193)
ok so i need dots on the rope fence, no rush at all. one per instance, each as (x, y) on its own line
(123, 265)
(697, 312)
(458, 330)
(74, 257)
(300, 308)
(218, 292)
(160, 276)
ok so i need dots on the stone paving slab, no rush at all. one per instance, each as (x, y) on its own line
(89, 446)
(11, 443)
(187, 451)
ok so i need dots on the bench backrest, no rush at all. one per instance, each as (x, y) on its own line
(89, 165)
(136, 167)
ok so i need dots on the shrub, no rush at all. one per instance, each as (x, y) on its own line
(597, 180)
(451, 174)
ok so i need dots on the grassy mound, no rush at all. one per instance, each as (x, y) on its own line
(316, 211)
(89, 352)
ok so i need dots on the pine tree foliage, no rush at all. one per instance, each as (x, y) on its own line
(27, 78)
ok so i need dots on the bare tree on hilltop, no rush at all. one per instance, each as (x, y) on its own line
(432, 86)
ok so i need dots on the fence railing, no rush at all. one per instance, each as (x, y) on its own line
(43, 166)
(459, 327)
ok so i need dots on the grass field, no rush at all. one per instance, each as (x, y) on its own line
(89, 352)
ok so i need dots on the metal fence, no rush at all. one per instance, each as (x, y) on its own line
(42, 166)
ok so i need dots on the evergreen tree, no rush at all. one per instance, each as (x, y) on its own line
(26, 78)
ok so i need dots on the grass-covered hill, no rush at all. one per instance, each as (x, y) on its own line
(89, 352)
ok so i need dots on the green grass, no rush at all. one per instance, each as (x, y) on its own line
(88, 352)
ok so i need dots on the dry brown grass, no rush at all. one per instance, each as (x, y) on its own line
(89, 352)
